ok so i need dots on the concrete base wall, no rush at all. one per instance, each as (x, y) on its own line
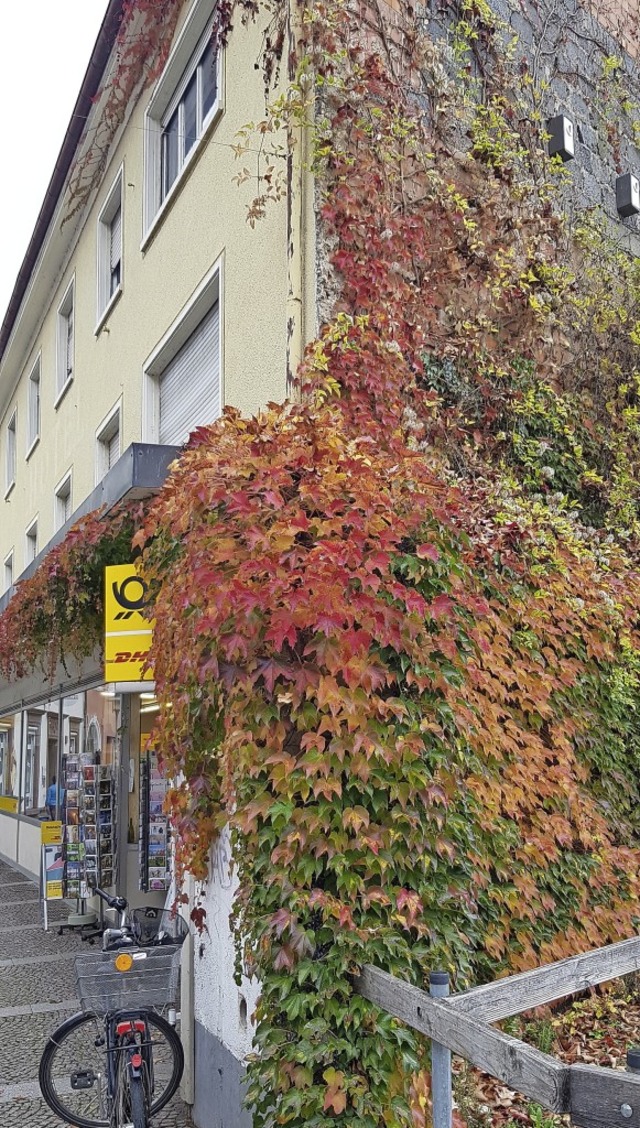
(20, 843)
(219, 1079)
(30, 847)
(9, 837)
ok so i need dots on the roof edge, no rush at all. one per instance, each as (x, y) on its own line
(90, 88)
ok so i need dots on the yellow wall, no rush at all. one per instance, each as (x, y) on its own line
(206, 220)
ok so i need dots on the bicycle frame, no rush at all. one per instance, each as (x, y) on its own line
(126, 1032)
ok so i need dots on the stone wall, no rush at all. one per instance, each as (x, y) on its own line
(573, 55)
(583, 58)
(622, 19)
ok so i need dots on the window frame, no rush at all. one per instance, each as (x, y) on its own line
(34, 439)
(11, 453)
(63, 493)
(8, 564)
(66, 309)
(32, 761)
(104, 433)
(31, 541)
(106, 298)
(210, 291)
(183, 62)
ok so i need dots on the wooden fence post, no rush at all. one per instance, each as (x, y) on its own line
(441, 1090)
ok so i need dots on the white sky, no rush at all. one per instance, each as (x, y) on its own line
(44, 51)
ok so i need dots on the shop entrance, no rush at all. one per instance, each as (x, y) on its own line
(147, 858)
(109, 791)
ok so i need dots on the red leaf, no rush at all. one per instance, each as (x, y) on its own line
(441, 607)
(428, 552)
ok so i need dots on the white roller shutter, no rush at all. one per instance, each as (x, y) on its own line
(115, 240)
(113, 449)
(190, 384)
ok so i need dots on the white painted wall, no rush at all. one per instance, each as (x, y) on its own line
(8, 836)
(218, 999)
(29, 847)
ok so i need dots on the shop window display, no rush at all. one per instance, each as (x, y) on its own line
(154, 835)
(84, 759)
(8, 764)
(30, 792)
(154, 839)
(90, 814)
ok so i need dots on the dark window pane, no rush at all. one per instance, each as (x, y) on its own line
(114, 279)
(209, 71)
(169, 153)
(70, 342)
(190, 101)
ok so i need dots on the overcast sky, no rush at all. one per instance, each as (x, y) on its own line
(44, 52)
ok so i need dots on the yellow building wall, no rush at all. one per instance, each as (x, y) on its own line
(205, 221)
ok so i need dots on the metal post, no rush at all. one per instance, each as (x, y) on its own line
(57, 814)
(23, 744)
(441, 1090)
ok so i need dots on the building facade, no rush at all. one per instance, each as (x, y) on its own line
(139, 316)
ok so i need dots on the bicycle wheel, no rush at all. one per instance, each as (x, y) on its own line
(72, 1053)
(130, 1101)
(137, 1103)
(71, 1056)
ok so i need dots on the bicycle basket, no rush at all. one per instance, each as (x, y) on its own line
(149, 979)
(155, 927)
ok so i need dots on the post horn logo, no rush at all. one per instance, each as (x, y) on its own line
(132, 603)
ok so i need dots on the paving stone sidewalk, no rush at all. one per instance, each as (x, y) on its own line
(37, 993)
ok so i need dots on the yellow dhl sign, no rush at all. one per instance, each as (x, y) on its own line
(8, 803)
(128, 633)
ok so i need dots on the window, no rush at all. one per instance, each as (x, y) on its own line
(10, 476)
(66, 342)
(32, 542)
(185, 122)
(32, 762)
(63, 502)
(183, 375)
(33, 422)
(110, 248)
(189, 387)
(8, 571)
(186, 101)
(7, 756)
(108, 443)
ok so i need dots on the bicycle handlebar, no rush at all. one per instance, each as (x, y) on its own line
(120, 904)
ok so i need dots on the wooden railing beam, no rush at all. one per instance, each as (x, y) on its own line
(594, 1097)
(518, 993)
(522, 1067)
(603, 1098)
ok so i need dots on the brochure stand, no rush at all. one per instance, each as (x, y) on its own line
(51, 867)
(90, 842)
(154, 827)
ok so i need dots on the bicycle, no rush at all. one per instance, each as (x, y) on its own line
(119, 1061)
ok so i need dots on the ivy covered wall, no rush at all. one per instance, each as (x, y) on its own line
(572, 59)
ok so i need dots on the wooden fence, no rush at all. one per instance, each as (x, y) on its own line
(592, 1096)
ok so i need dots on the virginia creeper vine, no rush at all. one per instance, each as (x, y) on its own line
(394, 617)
